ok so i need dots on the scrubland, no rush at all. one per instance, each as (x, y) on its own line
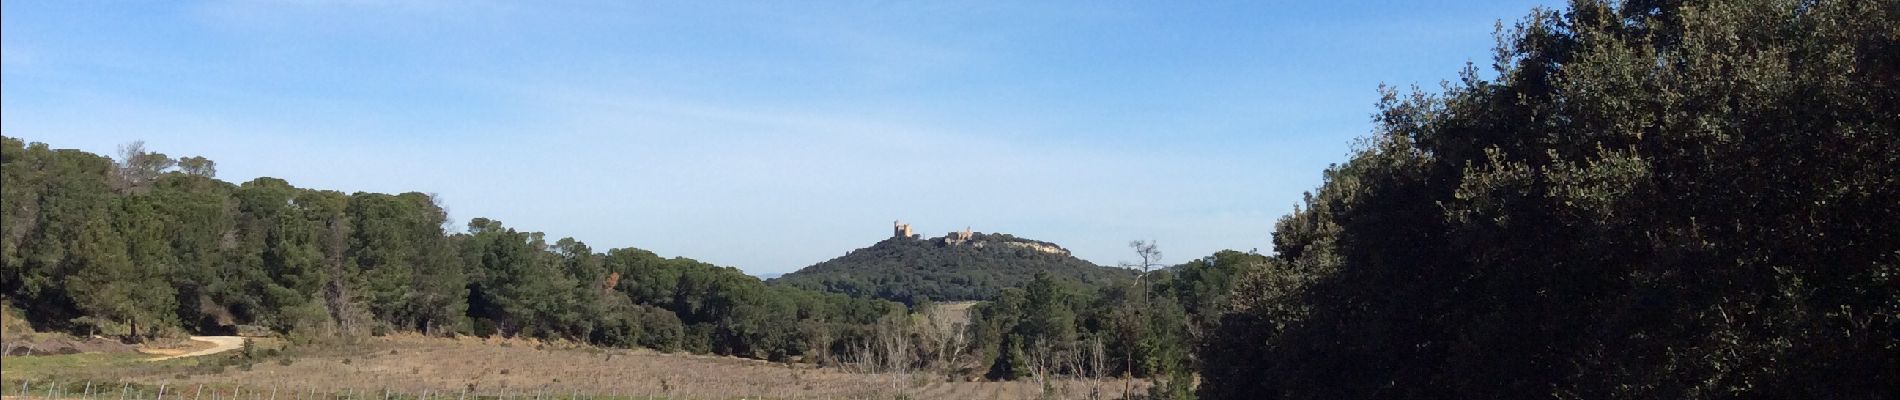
(407, 366)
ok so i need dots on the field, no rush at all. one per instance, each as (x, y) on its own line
(416, 367)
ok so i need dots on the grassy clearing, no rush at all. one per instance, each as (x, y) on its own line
(40, 366)
(414, 367)
(80, 375)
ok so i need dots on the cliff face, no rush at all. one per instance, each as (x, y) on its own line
(1015, 243)
(958, 266)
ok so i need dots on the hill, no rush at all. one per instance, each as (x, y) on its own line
(958, 266)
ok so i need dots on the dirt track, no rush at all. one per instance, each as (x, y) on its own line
(220, 344)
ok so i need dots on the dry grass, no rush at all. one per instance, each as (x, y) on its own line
(411, 366)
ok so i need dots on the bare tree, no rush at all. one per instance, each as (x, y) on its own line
(1048, 359)
(1073, 361)
(344, 313)
(930, 336)
(954, 346)
(820, 343)
(1148, 252)
(895, 344)
(1096, 361)
(1039, 361)
(1150, 256)
(945, 337)
(860, 357)
(138, 167)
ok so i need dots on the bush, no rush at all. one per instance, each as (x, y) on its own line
(1652, 199)
(483, 327)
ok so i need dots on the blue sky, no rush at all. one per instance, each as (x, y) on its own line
(762, 135)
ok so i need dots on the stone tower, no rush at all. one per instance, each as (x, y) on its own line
(900, 229)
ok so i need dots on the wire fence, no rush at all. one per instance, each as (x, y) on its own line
(55, 389)
(27, 389)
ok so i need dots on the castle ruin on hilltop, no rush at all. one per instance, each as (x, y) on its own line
(899, 229)
(959, 237)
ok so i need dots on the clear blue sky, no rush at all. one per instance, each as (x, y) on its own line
(766, 136)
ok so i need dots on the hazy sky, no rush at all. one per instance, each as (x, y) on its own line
(767, 136)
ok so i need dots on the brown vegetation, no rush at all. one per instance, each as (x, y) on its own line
(413, 365)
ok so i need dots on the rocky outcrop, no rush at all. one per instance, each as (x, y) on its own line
(1042, 247)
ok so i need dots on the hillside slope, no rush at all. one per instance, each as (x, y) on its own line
(958, 266)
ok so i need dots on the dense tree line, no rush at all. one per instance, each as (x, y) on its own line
(910, 269)
(151, 245)
(1106, 336)
(1141, 328)
(1651, 199)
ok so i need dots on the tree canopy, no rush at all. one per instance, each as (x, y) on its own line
(1649, 200)
(148, 245)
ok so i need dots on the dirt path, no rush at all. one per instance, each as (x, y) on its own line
(219, 344)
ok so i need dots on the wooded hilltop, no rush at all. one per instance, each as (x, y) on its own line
(948, 268)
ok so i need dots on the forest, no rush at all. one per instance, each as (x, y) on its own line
(146, 245)
(149, 245)
(1634, 199)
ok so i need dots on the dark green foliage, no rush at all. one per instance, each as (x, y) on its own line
(66, 262)
(197, 213)
(1651, 200)
(1143, 326)
(946, 269)
(1201, 287)
(410, 273)
(1001, 330)
(1175, 385)
(519, 284)
(641, 326)
(154, 245)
